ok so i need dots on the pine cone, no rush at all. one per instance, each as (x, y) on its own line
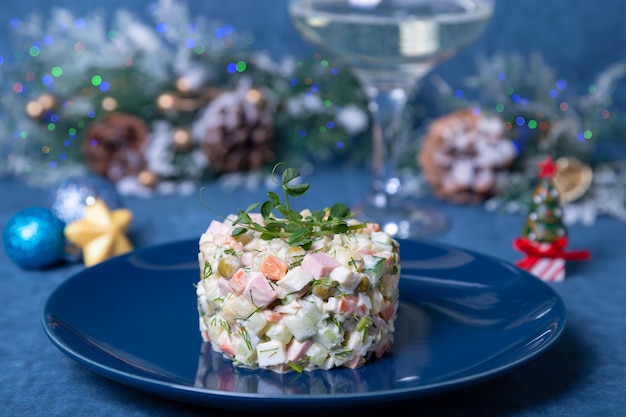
(236, 131)
(114, 146)
(463, 154)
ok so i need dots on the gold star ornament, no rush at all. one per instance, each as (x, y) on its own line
(101, 233)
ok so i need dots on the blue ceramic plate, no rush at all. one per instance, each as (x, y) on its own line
(463, 318)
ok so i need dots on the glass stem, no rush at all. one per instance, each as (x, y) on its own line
(386, 107)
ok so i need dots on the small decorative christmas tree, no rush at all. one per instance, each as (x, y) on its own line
(544, 220)
(544, 236)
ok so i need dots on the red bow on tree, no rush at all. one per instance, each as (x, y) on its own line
(555, 249)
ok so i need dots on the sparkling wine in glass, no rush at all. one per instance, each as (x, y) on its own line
(390, 45)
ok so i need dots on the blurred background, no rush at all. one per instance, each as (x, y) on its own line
(553, 70)
(578, 38)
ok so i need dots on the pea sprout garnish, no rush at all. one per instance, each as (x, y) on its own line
(281, 221)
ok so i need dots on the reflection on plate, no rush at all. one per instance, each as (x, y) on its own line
(463, 317)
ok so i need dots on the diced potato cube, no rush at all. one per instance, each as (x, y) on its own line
(215, 328)
(381, 237)
(348, 258)
(311, 311)
(300, 326)
(317, 353)
(296, 279)
(245, 352)
(356, 342)
(390, 286)
(330, 335)
(378, 301)
(279, 331)
(347, 278)
(271, 353)
(236, 307)
(256, 323)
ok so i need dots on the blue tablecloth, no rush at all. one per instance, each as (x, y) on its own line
(582, 374)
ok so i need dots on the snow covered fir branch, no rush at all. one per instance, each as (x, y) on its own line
(188, 87)
(194, 101)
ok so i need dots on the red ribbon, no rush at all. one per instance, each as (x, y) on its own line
(555, 249)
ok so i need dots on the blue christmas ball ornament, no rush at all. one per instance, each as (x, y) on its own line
(71, 196)
(33, 238)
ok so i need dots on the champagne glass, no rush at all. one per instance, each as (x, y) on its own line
(390, 45)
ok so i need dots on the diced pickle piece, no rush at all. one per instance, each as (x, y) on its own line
(364, 284)
(228, 265)
(294, 255)
(323, 288)
(244, 238)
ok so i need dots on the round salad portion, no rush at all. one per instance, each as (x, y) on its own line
(290, 290)
(269, 304)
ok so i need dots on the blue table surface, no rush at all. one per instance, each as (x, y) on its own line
(581, 374)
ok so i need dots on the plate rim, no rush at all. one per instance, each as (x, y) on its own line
(210, 397)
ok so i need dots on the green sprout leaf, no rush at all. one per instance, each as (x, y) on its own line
(289, 174)
(281, 221)
(297, 190)
(340, 211)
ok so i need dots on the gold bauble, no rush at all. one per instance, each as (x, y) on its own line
(182, 139)
(34, 109)
(44, 103)
(572, 179)
(183, 85)
(166, 101)
(47, 101)
(109, 104)
(254, 95)
(148, 178)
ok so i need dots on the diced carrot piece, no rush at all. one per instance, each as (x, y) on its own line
(347, 304)
(239, 280)
(273, 267)
(272, 316)
(228, 348)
